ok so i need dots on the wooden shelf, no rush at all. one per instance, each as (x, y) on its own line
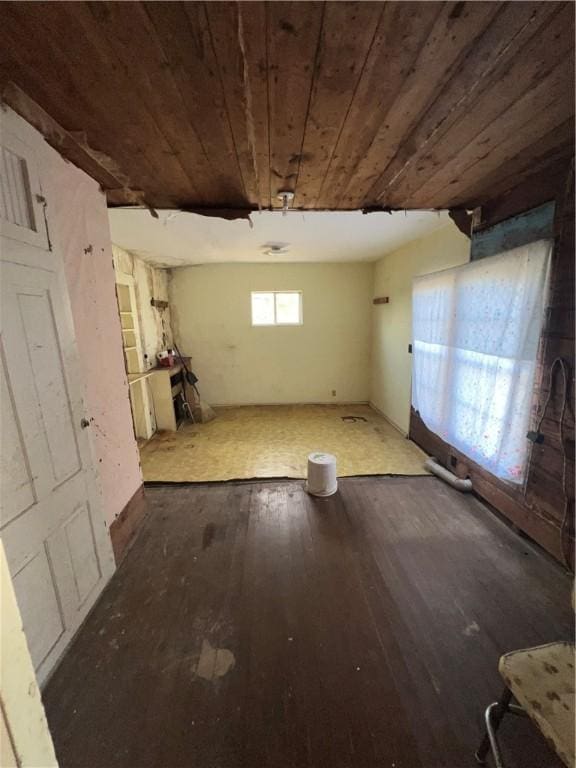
(134, 377)
(140, 396)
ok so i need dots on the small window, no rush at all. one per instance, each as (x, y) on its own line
(276, 308)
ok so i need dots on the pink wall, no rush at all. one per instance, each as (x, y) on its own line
(78, 225)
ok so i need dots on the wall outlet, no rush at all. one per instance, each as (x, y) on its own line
(333, 393)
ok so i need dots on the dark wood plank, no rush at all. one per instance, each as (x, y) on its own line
(184, 34)
(455, 31)
(238, 33)
(507, 499)
(543, 108)
(70, 83)
(219, 106)
(130, 35)
(411, 24)
(533, 190)
(339, 69)
(293, 39)
(556, 145)
(505, 60)
(365, 631)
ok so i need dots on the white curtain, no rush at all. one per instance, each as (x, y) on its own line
(476, 330)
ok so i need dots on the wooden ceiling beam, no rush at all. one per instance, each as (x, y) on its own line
(63, 141)
(75, 148)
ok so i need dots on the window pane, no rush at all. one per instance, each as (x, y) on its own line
(475, 336)
(288, 308)
(262, 309)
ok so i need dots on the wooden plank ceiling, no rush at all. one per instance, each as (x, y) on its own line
(349, 105)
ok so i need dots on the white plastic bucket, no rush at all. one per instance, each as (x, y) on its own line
(321, 474)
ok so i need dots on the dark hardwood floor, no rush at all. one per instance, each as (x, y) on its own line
(252, 625)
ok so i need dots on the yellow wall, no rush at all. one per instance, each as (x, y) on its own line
(392, 323)
(239, 364)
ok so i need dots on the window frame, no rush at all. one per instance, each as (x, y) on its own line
(276, 324)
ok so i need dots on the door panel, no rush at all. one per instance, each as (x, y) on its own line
(49, 384)
(51, 522)
(82, 552)
(37, 596)
(18, 489)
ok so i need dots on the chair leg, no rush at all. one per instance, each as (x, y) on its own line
(493, 717)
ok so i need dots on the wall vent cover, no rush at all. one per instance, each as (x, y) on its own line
(15, 196)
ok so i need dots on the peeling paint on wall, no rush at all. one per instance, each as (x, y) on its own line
(149, 283)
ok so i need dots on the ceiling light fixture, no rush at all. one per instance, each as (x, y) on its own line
(286, 198)
(275, 249)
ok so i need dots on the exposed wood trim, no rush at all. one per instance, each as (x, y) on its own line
(222, 213)
(73, 145)
(77, 74)
(124, 529)
(65, 142)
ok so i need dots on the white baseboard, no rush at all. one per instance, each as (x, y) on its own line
(303, 402)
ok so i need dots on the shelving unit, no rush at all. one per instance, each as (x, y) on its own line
(129, 322)
(140, 396)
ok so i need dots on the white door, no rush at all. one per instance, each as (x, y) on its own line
(51, 521)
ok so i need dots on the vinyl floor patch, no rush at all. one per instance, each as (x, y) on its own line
(274, 441)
